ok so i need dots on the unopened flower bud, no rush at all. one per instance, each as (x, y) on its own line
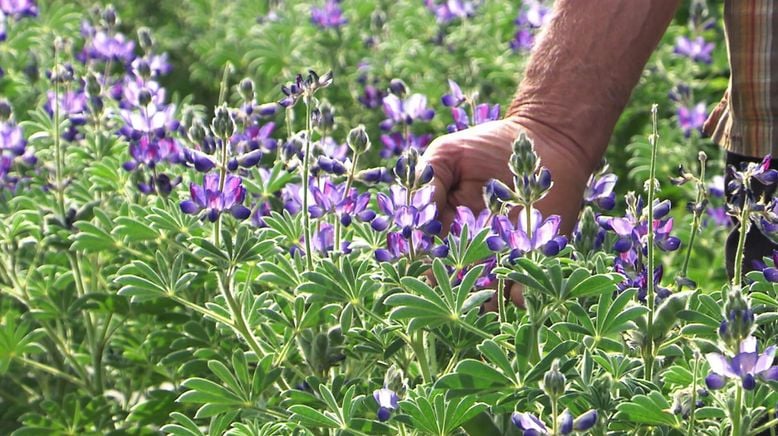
(223, 125)
(738, 320)
(246, 88)
(358, 140)
(109, 16)
(5, 110)
(326, 116)
(398, 87)
(197, 132)
(144, 97)
(524, 159)
(92, 85)
(395, 380)
(145, 39)
(143, 69)
(554, 382)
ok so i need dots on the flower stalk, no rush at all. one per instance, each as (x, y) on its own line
(648, 353)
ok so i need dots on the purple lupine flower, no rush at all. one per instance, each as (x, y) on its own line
(530, 424)
(128, 91)
(522, 41)
(696, 49)
(533, 16)
(474, 224)
(585, 421)
(150, 151)
(73, 105)
(19, 8)
(254, 137)
(634, 234)
(159, 65)
(331, 198)
(747, 365)
(406, 111)
(290, 195)
(397, 245)
(11, 139)
(213, 201)
(449, 10)
(599, 190)
(371, 97)
(770, 272)
(107, 47)
(692, 118)
(396, 143)
(3, 35)
(718, 216)
(483, 113)
(636, 276)
(328, 17)
(543, 234)
(716, 186)
(387, 401)
(455, 98)
(332, 149)
(418, 214)
(150, 120)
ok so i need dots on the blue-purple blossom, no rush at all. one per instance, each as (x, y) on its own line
(464, 216)
(399, 111)
(716, 187)
(332, 198)
(396, 143)
(2, 35)
(696, 49)
(747, 366)
(19, 8)
(149, 120)
(455, 98)
(73, 106)
(599, 190)
(543, 234)
(254, 137)
(635, 234)
(448, 10)
(530, 424)
(371, 97)
(387, 401)
(150, 151)
(290, 195)
(398, 245)
(691, 118)
(483, 113)
(635, 275)
(213, 201)
(717, 216)
(11, 139)
(110, 47)
(532, 16)
(329, 16)
(418, 214)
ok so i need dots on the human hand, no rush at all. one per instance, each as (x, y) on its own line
(464, 161)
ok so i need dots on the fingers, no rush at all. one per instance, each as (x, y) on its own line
(511, 291)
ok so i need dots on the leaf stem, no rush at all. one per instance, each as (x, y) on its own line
(305, 177)
(648, 354)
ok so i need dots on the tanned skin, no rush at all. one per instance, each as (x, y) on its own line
(578, 80)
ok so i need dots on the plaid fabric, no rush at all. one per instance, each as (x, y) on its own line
(746, 120)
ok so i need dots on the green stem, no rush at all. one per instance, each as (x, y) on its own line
(695, 224)
(306, 173)
(53, 371)
(217, 225)
(648, 355)
(60, 190)
(770, 425)
(737, 277)
(239, 321)
(555, 415)
(737, 412)
(690, 428)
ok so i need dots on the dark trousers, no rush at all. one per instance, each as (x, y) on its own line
(757, 245)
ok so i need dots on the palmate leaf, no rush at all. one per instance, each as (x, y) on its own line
(352, 283)
(549, 279)
(342, 416)
(651, 409)
(238, 389)
(433, 413)
(141, 282)
(426, 307)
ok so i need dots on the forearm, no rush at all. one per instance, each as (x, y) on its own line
(585, 66)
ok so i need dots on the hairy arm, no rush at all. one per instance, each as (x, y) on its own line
(585, 66)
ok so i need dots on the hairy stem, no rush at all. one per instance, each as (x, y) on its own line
(648, 354)
(305, 177)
